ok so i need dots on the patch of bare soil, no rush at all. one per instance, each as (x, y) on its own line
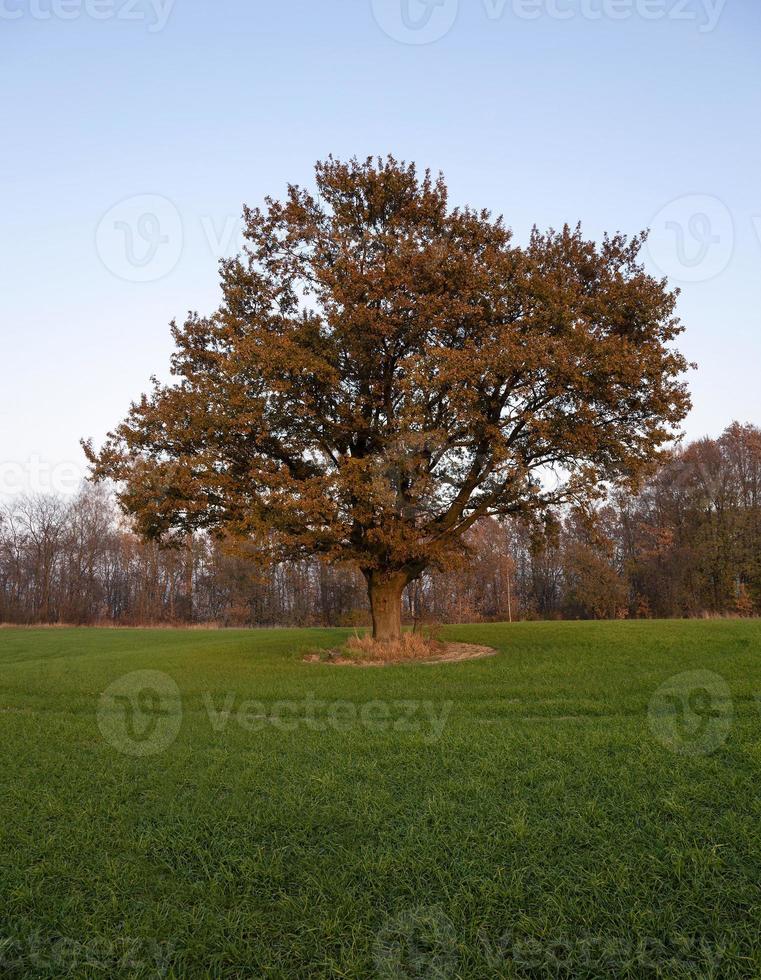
(444, 653)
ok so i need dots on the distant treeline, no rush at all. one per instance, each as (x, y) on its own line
(687, 544)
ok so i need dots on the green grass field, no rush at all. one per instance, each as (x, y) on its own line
(586, 804)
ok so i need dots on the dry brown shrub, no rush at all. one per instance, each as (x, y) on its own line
(411, 646)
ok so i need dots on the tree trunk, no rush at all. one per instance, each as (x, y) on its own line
(385, 593)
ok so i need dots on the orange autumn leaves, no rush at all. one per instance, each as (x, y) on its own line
(384, 370)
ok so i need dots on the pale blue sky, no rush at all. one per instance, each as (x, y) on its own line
(620, 113)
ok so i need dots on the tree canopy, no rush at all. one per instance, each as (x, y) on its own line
(384, 370)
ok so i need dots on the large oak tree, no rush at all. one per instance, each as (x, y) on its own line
(384, 371)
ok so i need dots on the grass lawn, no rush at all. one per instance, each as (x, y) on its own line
(192, 804)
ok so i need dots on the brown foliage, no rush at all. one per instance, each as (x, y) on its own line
(385, 371)
(688, 544)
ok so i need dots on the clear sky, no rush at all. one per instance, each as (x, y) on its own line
(131, 132)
